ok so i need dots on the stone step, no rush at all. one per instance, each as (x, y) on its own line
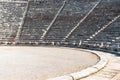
(110, 72)
(117, 77)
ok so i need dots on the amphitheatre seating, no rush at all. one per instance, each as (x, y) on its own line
(109, 37)
(10, 18)
(41, 13)
(72, 13)
(39, 16)
(101, 15)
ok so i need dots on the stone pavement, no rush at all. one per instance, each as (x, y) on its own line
(110, 72)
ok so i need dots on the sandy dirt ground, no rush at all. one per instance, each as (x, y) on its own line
(41, 63)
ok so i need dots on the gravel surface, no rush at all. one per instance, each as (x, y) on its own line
(41, 63)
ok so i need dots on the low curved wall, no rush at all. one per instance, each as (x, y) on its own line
(86, 72)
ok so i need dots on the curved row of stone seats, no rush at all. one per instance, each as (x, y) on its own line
(105, 12)
(39, 16)
(108, 38)
(69, 17)
(10, 19)
(110, 34)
